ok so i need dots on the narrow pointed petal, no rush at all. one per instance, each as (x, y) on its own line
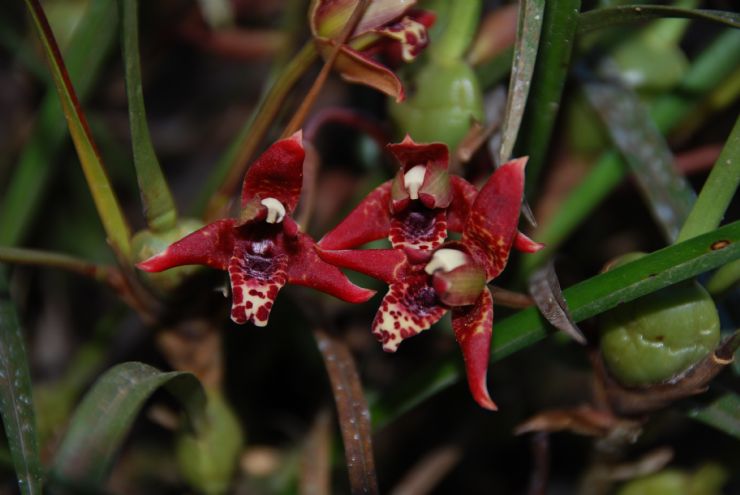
(463, 197)
(472, 326)
(491, 226)
(525, 244)
(383, 264)
(359, 69)
(277, 173)
(410, 307)
(328, 17)
(256, 279)
(418, 227)
(369, 221)
(210, 246)
(410, 34)
(410, 153)
(308, 269)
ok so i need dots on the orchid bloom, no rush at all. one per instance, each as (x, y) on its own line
(426, 277)
(263, 249)
(384, 26)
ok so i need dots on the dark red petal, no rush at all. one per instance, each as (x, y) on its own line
(410, 307)
(409, 153)
(369, 221)
(277, 173)
(491, 226)
(328, 17)
(463, 196)
(472, 326)
(525, 244)
(418, 227)
(386, 265)
(408, 34)
(211, 246)
(308, 269)
(255, 283)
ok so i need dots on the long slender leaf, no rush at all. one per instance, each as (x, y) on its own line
(723, 413)
(16, 404)
(548, 81)
(624, 14)
(105, 415)
(109, 210)
(668, 194)
(589, 298)
(159, 207)
(531, 14)
(88, 48)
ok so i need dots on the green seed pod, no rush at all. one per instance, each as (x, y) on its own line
(656, 337)
(447, 98)
(207, 461)
(147, 243)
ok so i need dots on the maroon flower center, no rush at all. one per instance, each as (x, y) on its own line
(418, 221)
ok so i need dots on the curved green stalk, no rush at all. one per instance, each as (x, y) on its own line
(24, 256)
(159, 207)
(105, 200)
(461, 26)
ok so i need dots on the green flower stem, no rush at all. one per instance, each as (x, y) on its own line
(105, 200)
(709, 70)
(159, 207)
(718, 190)
(589, 298)
(230, 170)
(462, 23)
(724, 278)
(32, 174)
(24, 256)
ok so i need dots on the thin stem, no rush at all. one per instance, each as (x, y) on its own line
(159, 207)
(300, 115)
(231, 169)
(718, 190)
(115, 224)
(36, 257)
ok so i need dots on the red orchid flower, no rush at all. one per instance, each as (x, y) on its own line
(263, 249)
(387, 26)
(425, 284)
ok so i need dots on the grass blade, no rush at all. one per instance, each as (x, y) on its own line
(668, 194)
(88, 48)
(106, 203)
(723, 413)
(16, 404)
(105, 415)
(625, 14)
(589, 298)
(531, 14)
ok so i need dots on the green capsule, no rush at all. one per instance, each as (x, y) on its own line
(447, 98)
(147, 243)
(656, 337)
(208, 461)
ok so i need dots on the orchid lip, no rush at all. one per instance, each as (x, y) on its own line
(446, 260)
(413, 179)
(275, 210)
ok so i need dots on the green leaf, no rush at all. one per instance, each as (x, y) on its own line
(159, 207)
(87, 51)
(107, 205)
(550, 73)
(624, 14)
(16, 404)
(589, 298)
(723, 413)
(668, 194)
(102, 420)
(531, 14)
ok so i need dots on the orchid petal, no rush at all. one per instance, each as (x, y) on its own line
(409, 153)
(328, 17)
(491, 226)
(277, 173)
(369, 221)
(418, 227)
(256, 278)
(410, 34)
(525, 244)
(463, 197)
(210, 246)
(472, 326)
(386, 265)
(306, 268)
(356, 68)
(410, 307)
